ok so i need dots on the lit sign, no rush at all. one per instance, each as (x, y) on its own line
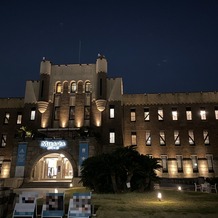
(53, 145)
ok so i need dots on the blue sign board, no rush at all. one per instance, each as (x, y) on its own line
(21, 154)
(83, 152)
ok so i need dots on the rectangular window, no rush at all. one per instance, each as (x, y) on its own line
(148, 138)
(33, 114)
(188, 113)
(133, 138)
(112, 137)
(19, 118)
(179, 162)
(146, 114)
(1, 162)
(87, 112)
(111, 111)
(203, 113)
(216, 113)
(191, 139)
(174, 114)
(132, 115)
(209, 158)
(194, 159)
(6, 120)
(164, 163)
(160, 114)
(57, 113)
(149, 155)
(162, 138)
(72, 113)
(176, 137)
(206, 137)
(3, 140)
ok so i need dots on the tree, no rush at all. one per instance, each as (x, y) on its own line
(112, 172)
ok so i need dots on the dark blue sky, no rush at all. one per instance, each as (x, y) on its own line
(155, 46)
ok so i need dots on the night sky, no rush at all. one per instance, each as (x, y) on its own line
(156, 46)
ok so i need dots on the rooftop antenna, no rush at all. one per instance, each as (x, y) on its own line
(79, 50)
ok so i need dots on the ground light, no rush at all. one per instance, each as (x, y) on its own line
(179, 188)
(159, 196)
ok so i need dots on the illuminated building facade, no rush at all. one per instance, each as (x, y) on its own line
(75, 111)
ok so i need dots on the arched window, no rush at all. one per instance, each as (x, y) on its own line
(58, 88)
(73, 87)
(80, 87)
(88, 87)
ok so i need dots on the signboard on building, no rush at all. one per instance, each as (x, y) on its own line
(83, 153)
(21, 159)
(50, 144)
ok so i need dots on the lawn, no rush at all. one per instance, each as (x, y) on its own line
(173, 204)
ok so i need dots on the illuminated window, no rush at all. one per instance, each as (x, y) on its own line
(112, 137)
(146, 114)
(206, 137)
(133, 138)
(87, 113)
(194, 163)
(203, 114)
(179, 162)
(73, 87)
(3, 140)
(58, 88)
(87, 87)
(174, 114)
(216, 113)
(164, 163)
(111, 112)
(148, 138)
(191, 139)
(149, 155)
(33, 114)
(162, 138)
(1, 162)
(176, 137)
(72, 113)
(57, 113)
(6, 120)
(132, 115)
(19, 118)
(160, 114)
(188, 113)
(209, 158)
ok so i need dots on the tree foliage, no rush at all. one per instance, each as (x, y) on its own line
(122, 170)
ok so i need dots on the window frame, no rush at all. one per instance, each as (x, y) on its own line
(3, 140)
(111, 111)
(112, 138)
(148, 138)
(19, 118)
(133, 115)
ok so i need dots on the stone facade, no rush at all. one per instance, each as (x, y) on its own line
(80, 104)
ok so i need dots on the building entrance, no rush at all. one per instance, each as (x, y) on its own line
(53, 166)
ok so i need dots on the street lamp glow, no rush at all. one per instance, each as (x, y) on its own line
(159, 196)
(179, 188)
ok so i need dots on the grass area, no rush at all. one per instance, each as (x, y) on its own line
(173, 204)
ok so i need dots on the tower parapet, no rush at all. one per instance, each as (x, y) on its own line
(45, 71)
(101, 70)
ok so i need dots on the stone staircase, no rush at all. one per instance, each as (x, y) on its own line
(52, 184)
(46, 185)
